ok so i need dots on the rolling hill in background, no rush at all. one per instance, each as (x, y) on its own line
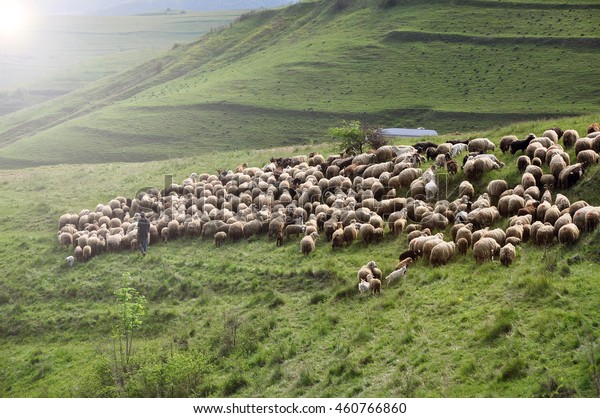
(282, 77)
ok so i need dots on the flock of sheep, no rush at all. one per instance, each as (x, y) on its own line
(344, 198)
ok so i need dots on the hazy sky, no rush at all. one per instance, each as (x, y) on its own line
(100, 6)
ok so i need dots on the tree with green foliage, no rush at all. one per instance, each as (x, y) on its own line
(352, 137)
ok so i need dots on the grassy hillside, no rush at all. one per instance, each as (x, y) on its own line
(251, 319)
(283, 77)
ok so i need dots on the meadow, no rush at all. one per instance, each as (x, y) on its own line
(250, 319)
(282, 77)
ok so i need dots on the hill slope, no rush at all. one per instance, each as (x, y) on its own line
(254, 320)
(285, 76)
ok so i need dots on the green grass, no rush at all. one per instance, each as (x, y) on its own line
(251, 319)
(285, 76)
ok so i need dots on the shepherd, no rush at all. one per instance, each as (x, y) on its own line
(143, 233)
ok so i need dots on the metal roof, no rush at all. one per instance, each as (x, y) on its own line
(408, 132)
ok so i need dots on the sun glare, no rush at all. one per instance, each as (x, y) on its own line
(13, 17)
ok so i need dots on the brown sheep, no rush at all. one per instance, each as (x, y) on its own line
(375, 284)
(593, 127)
(404, 263)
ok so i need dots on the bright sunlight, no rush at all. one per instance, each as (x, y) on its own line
(13, 17)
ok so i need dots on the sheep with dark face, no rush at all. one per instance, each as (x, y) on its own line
(570, 175)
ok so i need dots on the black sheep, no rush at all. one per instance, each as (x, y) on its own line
(521, 145)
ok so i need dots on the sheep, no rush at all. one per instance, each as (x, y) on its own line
(367, 233)
(481, 145)
(515, 231)
(78, 253)
(405, 262)
(545, 235)
(462, 246)
(570, 175)
(568, 234)
(476, 167)
(307, 244)
(495, 188)
(485, 250)
(65, 239)
(583, 144)
(220, 238)
(396, 274)
(466, 189)
(364, 286)
(337, 239)
(506, 141)
(442, 253)
(412, 254)
(70, 260)
(236, 231)
(87, 253)
(366, 270)
(593, 127)
(587, 157)
(570, 136)
(521, 145)
(497, 234)
(507, 254)
(375, 284)
(294, 229)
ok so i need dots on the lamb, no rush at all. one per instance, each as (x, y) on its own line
(405, 262)
(308, 243)
(412, 254)
(364, 286)
(70, 261)
(375, 284)
(396, 274)
(508, 254)
(485, 250)
(220, 238)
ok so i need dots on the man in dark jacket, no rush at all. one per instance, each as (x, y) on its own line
(143, 233)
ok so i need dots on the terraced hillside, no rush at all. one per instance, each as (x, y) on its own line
(282, 77)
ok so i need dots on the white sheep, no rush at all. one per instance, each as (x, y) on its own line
(396, 274)
(70, 261)
(364, 286)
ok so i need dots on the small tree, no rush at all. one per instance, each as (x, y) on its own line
(131, 308)
(353, 136)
